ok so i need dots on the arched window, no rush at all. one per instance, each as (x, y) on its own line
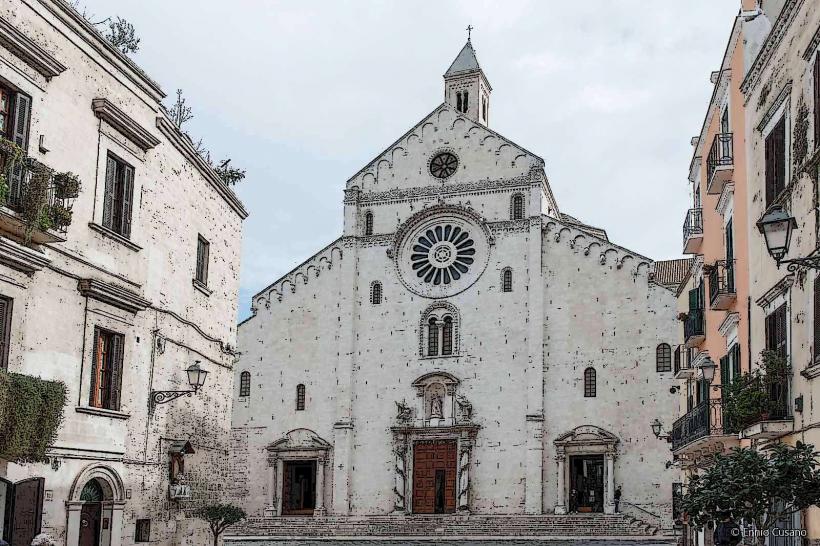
(300, 397)
(447, 337)
(506, 280)
(663, 358)
(458, 101)
(517, 207)
(590, 388)
(368, 223)
(432, 337)
(245, 383)
(376, 293)
(466, 102)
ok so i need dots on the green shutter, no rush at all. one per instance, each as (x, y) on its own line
(724, 370)
(108, 195)
(127, 199)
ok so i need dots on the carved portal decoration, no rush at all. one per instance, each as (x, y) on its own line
(300, 444)
(441, 251)
(586, 440)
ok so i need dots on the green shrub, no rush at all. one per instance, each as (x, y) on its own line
(31, 410)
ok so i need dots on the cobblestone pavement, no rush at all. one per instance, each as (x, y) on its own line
(451, 542)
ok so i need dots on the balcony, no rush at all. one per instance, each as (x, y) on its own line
(772, 416)
(719, 164)
(693, 231)
(37, 205)
(693, 332)
(701, 428)
(683, 366)
(722, 285)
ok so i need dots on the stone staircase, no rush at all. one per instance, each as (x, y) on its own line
(573, 525)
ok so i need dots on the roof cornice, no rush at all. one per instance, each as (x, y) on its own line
(31, 53)
(136, 133)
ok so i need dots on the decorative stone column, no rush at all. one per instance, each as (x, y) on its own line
(277, 488)
(117, 508)
(73, 525)
(609, 493)
(319, 510)
(400, 487)
(270, 507)
(465, 452)
(560, 458)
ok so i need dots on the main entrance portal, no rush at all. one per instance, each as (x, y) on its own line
(299, 488)
(587, 483)
(434, 477)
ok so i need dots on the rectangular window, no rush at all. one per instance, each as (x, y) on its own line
(776, 331)
(106, 370)
(5, 331)
(817, 101)
(143, 531)
(119, 194)
(775, 162)
(203, 249)
(817, 320)
(15, 116)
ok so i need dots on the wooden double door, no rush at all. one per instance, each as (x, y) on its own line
(435, 474)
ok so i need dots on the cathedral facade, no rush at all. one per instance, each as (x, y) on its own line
(463, 347)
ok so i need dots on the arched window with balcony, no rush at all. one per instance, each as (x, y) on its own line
(300, 397)
(517, 207)
(590, 386)
(245, 383)
(663, 358)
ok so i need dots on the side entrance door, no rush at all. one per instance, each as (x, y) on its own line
(21, 510)
(434, 477)
(299, 488)
(587, 482)
(90, 518)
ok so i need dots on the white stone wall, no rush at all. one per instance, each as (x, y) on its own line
(52, 323)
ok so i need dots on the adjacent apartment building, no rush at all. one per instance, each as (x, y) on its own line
(119, 287)
(757, 150)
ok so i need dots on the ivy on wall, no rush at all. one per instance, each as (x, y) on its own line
(31, 410)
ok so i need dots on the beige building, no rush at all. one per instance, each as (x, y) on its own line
(118, 298)
(463, 348)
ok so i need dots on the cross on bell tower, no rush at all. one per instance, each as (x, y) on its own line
(466, 88)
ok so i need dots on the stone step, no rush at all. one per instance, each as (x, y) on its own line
(452, 525)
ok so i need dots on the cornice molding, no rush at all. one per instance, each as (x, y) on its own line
(21, 258)
(122, 122)
(725, 195)
(775, 106)
(781, 287)
(419, 192)
(776, 34)
(113, 295)
(183, 144)
(732, 319)
(27, 50)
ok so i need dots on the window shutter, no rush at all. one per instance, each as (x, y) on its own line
(5, 331)
(19, 135)
(735, 352)
(817, 101)
(693, 299)
(198, 273)
(724, 370)
(781, 330)
(127, 199)
(95, 370)
(817, 319)
(108, 196)
(116, 370)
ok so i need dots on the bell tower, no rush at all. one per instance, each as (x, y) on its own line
(466, 87)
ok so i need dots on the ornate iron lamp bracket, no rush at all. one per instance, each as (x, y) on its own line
(161, 397)
(812, 262)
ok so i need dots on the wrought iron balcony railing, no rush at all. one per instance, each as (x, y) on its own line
(720, 160)
(693, 331)
(705, 419)
(692, 230)
(722, 284)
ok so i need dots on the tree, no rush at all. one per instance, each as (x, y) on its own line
(756, 487)
(220, 517)
(122, 35)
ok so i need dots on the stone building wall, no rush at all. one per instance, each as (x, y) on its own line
(167, 322)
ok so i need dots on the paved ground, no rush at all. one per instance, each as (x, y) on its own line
(412, 541)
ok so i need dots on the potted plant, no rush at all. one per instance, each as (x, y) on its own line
(60, 216)
(67, 185)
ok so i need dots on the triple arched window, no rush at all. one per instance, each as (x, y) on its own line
(368, 223)
(517, 207)
(590, 383)
(663, 358)
(245, 383)
(506, 280)
(439, 328)
(375, 292)
(300, 397)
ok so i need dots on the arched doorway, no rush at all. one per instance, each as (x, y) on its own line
(95, 508)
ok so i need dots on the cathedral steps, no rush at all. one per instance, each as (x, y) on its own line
(589, 525)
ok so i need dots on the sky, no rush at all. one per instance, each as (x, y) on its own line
(303, 93)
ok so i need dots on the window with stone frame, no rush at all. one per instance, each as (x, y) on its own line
(245, 383)
(15, 118)
(376, 293)
(432, 337)
(203, 251)
(106, 370)
(118, 196)
(590, 386)
(300, 397)
(816, 94)
(775, 328)
(368, 223)
(663, 358)
(6, 305)
(506, 280)
(775, 154)
(439, 331)
(517, 207)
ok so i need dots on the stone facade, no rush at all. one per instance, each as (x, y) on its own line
(89, 102)
(348, 332)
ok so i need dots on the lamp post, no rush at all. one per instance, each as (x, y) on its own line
(657, 430)
(707, 369)
(776, 227)
(196, 379)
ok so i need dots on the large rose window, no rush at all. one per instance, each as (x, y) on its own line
(443, 254)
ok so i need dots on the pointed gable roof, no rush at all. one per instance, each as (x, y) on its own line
(466, 61)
